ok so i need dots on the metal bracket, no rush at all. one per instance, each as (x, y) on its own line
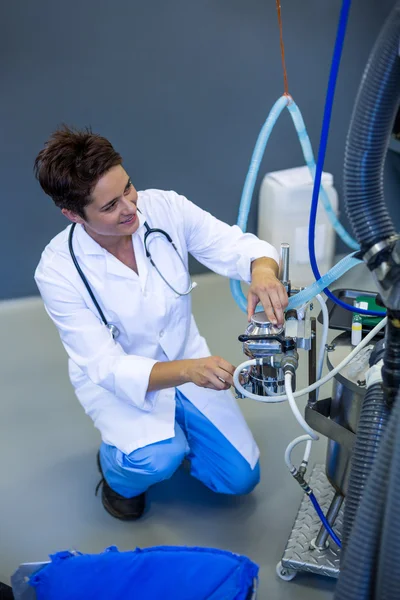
(22, 590)
(300, 552)
(317, 417)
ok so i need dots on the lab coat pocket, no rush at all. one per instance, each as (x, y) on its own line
(176, 284)
(125, 304)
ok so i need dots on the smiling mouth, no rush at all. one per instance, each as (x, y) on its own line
(130, 220)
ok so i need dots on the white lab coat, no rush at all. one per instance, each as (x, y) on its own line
(110, 377)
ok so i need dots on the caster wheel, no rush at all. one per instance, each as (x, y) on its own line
(284, 573)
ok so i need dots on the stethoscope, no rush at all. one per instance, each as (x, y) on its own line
(113, 328)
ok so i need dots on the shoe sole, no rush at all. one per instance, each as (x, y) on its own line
(115, 514)
(105, 502)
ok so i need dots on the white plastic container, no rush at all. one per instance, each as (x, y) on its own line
(283, 216)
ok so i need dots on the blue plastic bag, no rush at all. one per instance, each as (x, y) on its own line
(164, 572)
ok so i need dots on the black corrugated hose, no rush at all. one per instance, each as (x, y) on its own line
(370, 560)
(368, 138)
(370, 569)
(391, 359)
(388, 579)
(372, 423)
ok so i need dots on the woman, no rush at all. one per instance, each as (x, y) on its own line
(154, 391)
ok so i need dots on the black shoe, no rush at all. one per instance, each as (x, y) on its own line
(126, 509)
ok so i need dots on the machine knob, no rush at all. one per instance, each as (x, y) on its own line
(291, 314)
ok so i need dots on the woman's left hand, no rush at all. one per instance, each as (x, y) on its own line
(266, 288)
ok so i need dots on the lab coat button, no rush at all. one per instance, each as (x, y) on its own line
(161, 333)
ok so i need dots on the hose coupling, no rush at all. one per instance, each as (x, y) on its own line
(303, 467)
(290, 363)
(302, 482)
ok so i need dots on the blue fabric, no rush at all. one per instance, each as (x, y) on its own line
(130, 475)
(170, 573)
(213, 459)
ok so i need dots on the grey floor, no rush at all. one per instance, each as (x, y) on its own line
(48, 447)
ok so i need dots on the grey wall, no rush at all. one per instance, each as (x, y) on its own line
(180, 87)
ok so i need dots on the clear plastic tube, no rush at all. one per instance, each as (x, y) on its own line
(244, 392)
(292, 445)
(250, 181)
(295, 409)
(238, 296)
(306, 295)
(344, 265)
(248, 188)
(307, 451)
(256, 158)
(310, 162)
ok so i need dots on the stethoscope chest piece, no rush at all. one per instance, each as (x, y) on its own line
(113, 330)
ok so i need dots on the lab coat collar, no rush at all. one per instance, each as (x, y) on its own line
(85, 245)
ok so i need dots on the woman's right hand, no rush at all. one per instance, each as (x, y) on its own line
(211, 372)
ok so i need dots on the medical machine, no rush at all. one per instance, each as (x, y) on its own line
(346, 524)
(274, 354)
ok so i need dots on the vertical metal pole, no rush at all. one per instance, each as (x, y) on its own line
(312, 362)
(284, 266)
(331, 515)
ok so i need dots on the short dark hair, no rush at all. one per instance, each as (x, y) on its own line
(70, 165)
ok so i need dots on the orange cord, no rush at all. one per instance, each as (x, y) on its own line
(285, 80)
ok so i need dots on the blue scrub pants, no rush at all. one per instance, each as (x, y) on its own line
(213, 459)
